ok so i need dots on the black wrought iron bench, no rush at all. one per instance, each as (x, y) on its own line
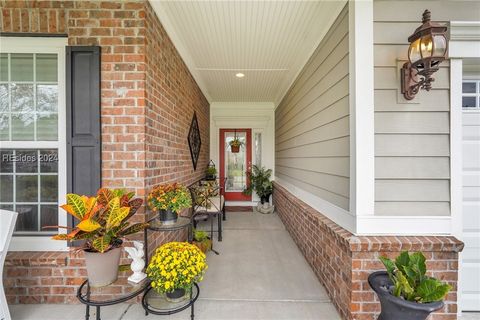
(208, 201)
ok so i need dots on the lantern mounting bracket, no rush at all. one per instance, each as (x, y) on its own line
(411, 84)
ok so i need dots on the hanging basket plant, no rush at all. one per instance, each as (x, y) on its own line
(235, 144)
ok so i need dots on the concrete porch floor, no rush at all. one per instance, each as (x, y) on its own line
(259, 274)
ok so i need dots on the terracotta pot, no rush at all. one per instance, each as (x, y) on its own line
(167, 216)
(235, 149)
(394, 308)
(102, 268)
(205, 245)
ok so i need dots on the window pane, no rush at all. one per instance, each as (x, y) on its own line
(6, 207)
(26, 188)
(26, 161)
(47, 127)
(469, 87)
(46, 67)
(31, 191)
(48, 217)
(22, 97)
(258, 149)
(47, 98)
(48, 161)
(6, 188)
(27, 219)
(7, 159)
(22, 127)
(48, 188)
(4, 127)
(4, 98)
(3, 67)
(22, 66)
(469, 102)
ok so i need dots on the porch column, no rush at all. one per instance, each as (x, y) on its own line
(362, 135)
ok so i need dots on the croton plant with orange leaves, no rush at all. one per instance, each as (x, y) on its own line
(103, 219)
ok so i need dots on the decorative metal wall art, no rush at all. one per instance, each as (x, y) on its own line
(194, 141)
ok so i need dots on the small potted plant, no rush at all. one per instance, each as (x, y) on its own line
(405, 291)
(235, 145)
(103, 224)
(201, 240)
(259, 180)
(175, 267)
(211, 174)
(168, 200)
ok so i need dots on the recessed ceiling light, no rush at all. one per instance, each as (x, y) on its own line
(240, 75)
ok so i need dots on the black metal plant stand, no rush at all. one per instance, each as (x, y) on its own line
(156, 225)
(92, 297)
(156, 303)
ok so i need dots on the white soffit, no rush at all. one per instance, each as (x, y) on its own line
(268, 41)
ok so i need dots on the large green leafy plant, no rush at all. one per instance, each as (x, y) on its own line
(103, 220)
(259, 179)
(408, 275)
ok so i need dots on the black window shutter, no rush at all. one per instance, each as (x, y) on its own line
(83, 120)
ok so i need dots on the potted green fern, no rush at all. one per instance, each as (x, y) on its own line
(259, 180)
(405, 291)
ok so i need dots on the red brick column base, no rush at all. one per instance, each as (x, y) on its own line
(343, 261)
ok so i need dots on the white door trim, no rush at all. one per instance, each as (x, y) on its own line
(464, 43)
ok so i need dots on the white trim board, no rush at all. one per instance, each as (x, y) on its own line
(362, 115)
(57, 46)
(464, 43)
(404, 225)
(338, 215)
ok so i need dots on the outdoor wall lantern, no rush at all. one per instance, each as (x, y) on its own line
(428, 48)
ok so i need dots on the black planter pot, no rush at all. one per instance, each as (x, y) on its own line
(176, 295)
(167, 216)
(394, 308)
(211, 178)
(264, 199)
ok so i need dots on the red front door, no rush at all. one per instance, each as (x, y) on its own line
(234, 166)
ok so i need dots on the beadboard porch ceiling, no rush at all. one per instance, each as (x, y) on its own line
(268, 41)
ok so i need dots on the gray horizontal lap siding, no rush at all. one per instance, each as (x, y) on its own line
(312, 143)
(412, 140)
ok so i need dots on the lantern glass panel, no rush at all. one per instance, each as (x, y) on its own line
(440, 45)
(414, 52)
(426, 46)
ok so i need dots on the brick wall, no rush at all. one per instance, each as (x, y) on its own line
(147, 101)
(343, 261)
(172, 98)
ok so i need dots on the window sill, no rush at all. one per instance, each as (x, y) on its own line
(37, 243)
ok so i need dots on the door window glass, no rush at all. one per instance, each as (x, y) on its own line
(235, 163)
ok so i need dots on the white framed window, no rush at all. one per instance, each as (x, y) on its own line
(471, 94)
(33, 138)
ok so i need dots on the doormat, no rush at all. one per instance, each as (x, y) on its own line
(239, 209)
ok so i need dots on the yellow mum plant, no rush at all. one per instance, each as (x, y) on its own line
(176, 265)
